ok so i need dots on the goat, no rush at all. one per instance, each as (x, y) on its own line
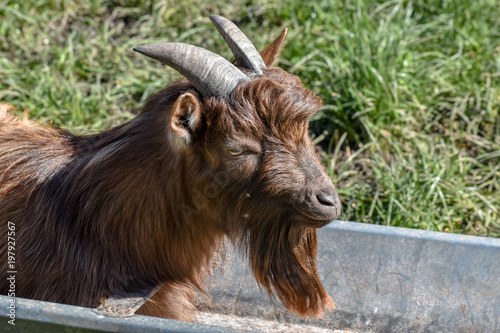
(223, 154)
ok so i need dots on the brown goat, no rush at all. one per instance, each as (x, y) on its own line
(222, 155)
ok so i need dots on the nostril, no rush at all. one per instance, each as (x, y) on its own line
(327, 199)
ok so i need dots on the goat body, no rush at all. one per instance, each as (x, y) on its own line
(152, 201)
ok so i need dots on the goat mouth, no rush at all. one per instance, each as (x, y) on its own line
(317, 214)
(308, 220)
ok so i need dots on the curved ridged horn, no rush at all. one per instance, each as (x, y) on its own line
(242, 48)
(210, 73)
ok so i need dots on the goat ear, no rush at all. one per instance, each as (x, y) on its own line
(271, 53)
(186, 116)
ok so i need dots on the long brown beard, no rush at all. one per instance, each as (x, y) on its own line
(283, 259)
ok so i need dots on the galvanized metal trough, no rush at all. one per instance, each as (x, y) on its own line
(382, 279)
(39, 317)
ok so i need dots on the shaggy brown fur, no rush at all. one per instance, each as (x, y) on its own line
(151, 201)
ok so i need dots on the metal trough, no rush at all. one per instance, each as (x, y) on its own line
(382, 279)
(39, 317)
(387, 279)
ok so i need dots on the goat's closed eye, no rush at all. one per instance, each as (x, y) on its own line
(237, 151)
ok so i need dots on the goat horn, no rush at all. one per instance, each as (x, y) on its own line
(242, 48)
(210, 73)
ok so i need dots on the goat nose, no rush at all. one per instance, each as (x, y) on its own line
(328, 198)
(328, 203)
(321, 206)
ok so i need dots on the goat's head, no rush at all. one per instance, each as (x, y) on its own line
(243, 129)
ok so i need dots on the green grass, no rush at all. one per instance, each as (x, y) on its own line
(410, 125)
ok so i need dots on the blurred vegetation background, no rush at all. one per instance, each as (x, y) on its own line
(410, 127)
